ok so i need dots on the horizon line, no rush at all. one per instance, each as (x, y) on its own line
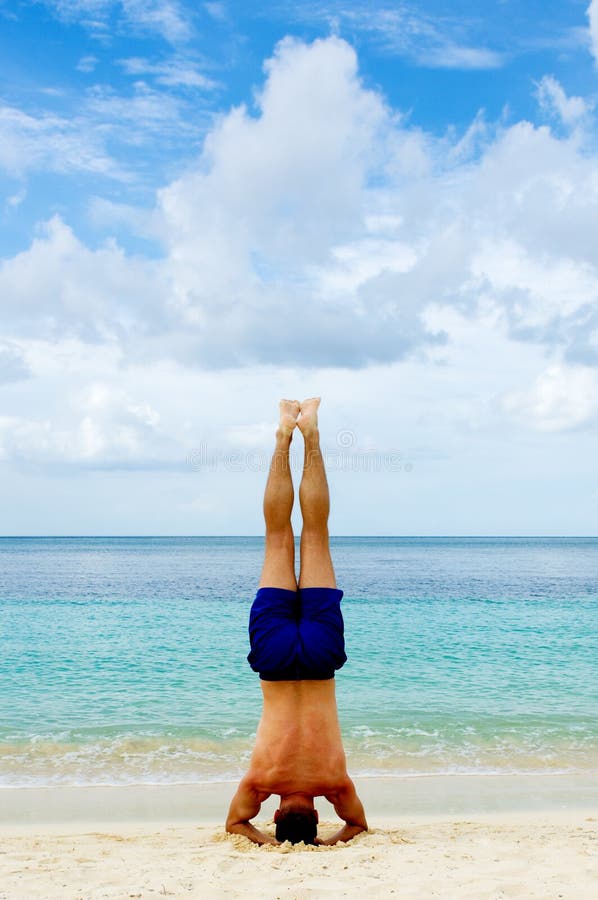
(332, 536)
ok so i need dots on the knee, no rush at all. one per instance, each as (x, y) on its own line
(280, 544)
(315, 535)
(280, 536)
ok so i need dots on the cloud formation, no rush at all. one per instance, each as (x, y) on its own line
(100, 426)
(562, 398)
(53, 143)
(317, 228)
(193, 261)
(90, 141)
(175, 72)
(165, 18)
(60, 288)
(552, 98)
(276, 201)
(403, 29)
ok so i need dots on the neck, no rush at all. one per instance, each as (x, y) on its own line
(296, 800)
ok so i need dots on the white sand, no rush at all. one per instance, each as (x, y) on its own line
(477, 859)
(516, 850)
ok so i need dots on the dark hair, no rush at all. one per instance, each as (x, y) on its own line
(296, 826)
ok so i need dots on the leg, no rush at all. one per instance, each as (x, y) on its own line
(279, 562)
(316, 563)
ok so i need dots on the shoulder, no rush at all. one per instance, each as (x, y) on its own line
(250, 786)
(342, 788)
(245, 804)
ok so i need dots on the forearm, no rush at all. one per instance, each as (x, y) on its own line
(349, 808)
(250, 831)
(346, 833)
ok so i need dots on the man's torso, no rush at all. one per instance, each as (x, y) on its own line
(298, 745)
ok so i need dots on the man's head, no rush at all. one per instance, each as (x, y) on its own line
(296, 822)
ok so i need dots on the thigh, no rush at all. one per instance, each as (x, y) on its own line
(316, 563)
(273, 633)
(321, 628)
(279, 562)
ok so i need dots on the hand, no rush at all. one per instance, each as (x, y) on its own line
(269, 840)
(346, 833)
(250, 831)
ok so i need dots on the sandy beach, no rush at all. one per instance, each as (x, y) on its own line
(471, 836)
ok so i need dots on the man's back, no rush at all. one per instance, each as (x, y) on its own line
(298, 745)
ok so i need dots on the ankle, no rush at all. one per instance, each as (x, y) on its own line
(312, 437)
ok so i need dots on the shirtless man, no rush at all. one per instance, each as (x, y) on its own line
(297, 643)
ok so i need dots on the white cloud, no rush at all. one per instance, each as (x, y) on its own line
(87, 63)
(318, 228)
(108, 215)
(406, 30)
(166, 18)
(592, 12)
(173, 73)
(107, 126)
(217, 10)
(102, 427)
(352, 265)
(561, 398)
(61, 287)
(118, 473)
(555, 101)
(454, 56)
(51, 142)
(319, 231)
(15, 200)
(275, 198)
(543, 297)
(147, 110)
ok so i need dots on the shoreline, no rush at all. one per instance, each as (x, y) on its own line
(384, 797)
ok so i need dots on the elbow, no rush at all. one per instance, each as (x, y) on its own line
(232, 826)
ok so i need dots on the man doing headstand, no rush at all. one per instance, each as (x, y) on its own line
(297, 643)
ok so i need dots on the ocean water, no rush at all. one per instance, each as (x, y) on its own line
(123, 660)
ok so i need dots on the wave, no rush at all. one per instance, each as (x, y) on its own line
(157, 759)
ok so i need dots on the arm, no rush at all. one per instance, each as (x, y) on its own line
(244, 806)
(347, 806)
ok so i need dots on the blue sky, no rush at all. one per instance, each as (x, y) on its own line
(205, 206)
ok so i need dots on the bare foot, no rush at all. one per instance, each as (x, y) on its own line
(289, 411)
(308, 420)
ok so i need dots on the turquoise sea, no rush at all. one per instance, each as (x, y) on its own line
(123, 660)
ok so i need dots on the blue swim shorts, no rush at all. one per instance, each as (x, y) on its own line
(296, 635)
